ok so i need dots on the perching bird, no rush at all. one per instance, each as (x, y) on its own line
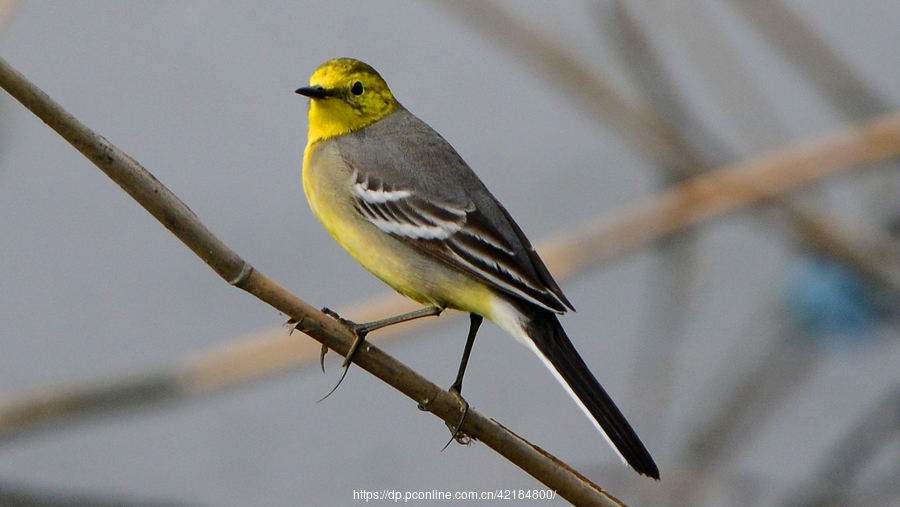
(405, 205)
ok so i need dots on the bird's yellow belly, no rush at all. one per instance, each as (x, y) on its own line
(328, 187)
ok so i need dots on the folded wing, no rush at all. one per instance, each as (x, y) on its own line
(461, 236)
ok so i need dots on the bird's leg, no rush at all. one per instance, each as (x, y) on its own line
(368, 327)
(361, 330)
(474, 323)
(456, 389)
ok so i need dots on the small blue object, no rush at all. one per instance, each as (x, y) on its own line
(830, 300)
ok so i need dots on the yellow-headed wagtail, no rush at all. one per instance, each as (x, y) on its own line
(405, 205)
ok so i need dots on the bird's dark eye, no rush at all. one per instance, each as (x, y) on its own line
(357, 88)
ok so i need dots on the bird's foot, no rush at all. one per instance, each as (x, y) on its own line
(455, 433)
(359, 330)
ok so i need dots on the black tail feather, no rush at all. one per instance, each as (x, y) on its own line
(548, 335)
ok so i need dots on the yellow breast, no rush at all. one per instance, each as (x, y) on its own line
(329, 190)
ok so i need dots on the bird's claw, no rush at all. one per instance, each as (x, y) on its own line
(455, 433)
(360, 333)
(322, 353)
(333, 389)
(292, 325)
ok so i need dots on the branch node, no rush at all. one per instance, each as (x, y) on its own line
(425, 405)
(242, 277)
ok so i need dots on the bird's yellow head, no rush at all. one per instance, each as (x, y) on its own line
(345, 95)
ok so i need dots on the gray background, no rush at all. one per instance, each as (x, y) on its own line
(201, 93)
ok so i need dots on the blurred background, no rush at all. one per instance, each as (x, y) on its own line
(757, 360)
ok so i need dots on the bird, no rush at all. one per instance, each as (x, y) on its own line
(400, 199)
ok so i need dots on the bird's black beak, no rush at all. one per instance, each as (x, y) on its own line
(314, 92)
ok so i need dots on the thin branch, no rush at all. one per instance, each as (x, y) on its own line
(182, 222)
